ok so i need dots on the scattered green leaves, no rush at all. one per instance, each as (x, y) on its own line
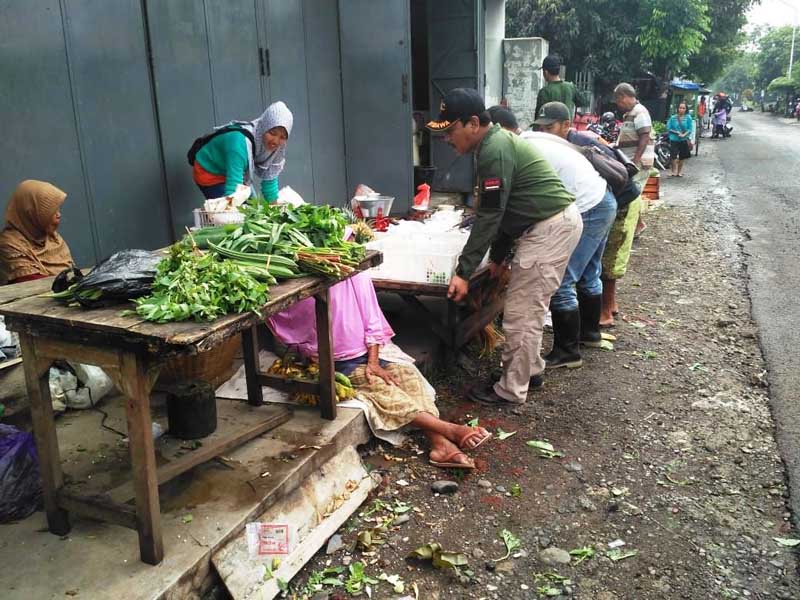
(617, 554)
(512, 543)
(516, 490)
(504, 435)
(787, 542)
(546, 449)
(398, 585)
(582, 554)
(473, 422)
(441, 559)
(648, 355)
(698, 367)
(186, 519)
(327, 577)
(357, 579)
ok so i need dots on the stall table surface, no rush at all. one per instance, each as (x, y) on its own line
(131, 351)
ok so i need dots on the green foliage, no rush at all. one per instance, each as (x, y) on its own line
(190, 285)
(621, 39)
(723, 39)
(772, 58)
(781, 85)
(739, 76)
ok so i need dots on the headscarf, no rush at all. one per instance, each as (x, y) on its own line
(268, 165)
(26, 248)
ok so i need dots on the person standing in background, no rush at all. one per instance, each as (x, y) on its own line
(681, 131)
(558, 90)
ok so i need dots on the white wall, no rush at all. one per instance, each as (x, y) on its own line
(495, 28)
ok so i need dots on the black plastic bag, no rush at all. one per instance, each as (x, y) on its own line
(124, 275)
(20, 483)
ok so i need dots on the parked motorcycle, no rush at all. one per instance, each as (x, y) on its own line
(662, 148)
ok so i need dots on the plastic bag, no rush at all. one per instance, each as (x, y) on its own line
(20, 484)
(81, 387)
(122, 276)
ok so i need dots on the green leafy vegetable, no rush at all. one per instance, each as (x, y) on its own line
(504, 435)
(190, 285)
(357, 579)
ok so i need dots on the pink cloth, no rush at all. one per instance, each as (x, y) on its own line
(356, 321)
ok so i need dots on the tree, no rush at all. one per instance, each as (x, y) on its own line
(723, 39)
(772, 58)
(739, 76)
(672, 31)
(624, 38)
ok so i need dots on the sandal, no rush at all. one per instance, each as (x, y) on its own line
(447, 462)
(474, 431)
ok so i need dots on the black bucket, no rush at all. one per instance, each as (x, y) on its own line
(191, 410)
(423, 175)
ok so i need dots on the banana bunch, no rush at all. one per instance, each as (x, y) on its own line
(287, 367)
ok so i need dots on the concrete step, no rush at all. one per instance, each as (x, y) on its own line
(322, 503)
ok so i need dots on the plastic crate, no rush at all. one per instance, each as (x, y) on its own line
(204, 218)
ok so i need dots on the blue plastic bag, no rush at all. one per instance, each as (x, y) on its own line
(20, 482)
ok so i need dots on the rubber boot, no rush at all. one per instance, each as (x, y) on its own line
(566, 329)
(590, 307)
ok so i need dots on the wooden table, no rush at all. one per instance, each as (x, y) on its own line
(460, 323)
(131, 351)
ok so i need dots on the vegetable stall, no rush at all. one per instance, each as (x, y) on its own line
(204, 290)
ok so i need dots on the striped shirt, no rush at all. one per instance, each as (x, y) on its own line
(633, 123)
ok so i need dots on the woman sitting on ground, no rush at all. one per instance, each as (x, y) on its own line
(396, 392)
(30, 246)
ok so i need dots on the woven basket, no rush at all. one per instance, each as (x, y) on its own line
(214, 366)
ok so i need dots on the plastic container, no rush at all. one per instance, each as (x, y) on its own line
(204, 218)
(373, 206)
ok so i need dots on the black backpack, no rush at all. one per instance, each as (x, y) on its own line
(202, 141)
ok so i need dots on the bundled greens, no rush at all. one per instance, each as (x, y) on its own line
(286, 242)
(199, 286)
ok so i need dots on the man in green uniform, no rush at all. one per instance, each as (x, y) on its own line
(557, 90)
(521, 203)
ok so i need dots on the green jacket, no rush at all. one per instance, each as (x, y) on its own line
(517, 188)
(226, 155)
(561, 91)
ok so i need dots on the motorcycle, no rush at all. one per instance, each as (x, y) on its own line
(662, 150)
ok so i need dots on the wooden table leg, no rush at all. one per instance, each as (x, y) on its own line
(136, 382)
(37, 375)
(252, 366)
(327, 373)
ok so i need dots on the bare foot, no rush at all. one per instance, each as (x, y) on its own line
(606, 320)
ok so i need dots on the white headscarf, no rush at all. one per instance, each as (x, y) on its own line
(268, 165)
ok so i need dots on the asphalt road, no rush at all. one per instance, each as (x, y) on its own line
(761, 164)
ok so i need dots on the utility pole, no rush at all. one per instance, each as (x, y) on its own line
(794, 31)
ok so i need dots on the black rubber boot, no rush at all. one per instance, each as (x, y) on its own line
(566, 329)
(590, 307)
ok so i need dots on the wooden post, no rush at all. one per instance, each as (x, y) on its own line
(252, 366)
(136, 383)
(327, 389)
(37, 375)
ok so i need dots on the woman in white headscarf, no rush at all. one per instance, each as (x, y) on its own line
(243, 150)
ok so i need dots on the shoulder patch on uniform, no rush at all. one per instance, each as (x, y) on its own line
(492, 183)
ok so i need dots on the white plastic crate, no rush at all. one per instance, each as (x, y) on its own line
(204, 218)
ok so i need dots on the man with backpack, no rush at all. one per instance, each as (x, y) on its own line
(576, 305)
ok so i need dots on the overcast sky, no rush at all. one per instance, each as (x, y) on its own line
(773, 12)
